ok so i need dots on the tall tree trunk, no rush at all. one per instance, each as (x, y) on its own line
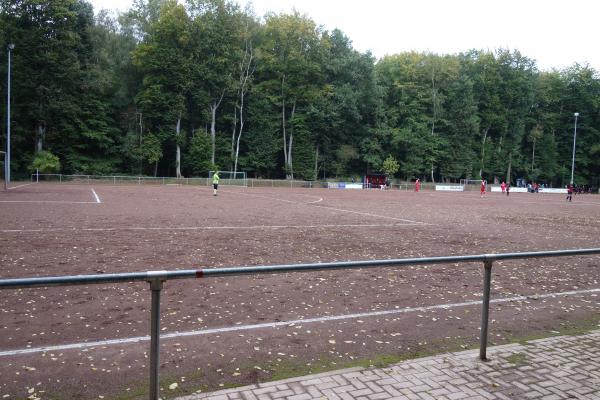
(141, 151)
(485, 133)
(233, 132)
(237, 145)
(178, 161)
(39, 137)
(290, 144)
(285, 157)
(509, 168)
(156, 169)
(213, 134)
(237, 150)
(533, 155)
(316, 162)
(246, 72)
(178, 148)
(290, 166)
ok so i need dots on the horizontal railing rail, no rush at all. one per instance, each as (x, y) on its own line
(205, 181)
(157, 278)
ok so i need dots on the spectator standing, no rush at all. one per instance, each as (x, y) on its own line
(417, 185)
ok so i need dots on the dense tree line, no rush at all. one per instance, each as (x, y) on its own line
(178, 89)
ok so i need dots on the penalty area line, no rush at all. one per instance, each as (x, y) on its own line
(25, 184)
(96, 196)
(289, 323)
(373, 215)
(313, 203)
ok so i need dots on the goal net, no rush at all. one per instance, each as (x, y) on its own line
(470, 184)
(229, 178)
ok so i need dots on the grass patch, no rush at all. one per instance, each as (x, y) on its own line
(136, 393)
(566, 329)
(517, 359)
(273, 371)
(289, 369)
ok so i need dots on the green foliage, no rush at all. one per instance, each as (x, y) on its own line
(45, 162)
(344, 158)
(262, 142)
(90, 87)
(151, 148)
(390, 166)
(198, 155)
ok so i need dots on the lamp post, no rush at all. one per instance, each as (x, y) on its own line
(11, 46)
(574, 141)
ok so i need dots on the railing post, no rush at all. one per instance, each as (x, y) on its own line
(485, 310)
(155, 286)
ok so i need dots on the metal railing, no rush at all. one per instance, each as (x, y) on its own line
(157, 278)
(126, 179)
(200, 181)
(170, 180)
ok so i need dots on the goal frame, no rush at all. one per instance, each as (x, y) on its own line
(230, 178)
(470, 184)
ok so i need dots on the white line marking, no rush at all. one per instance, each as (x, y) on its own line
(198, 228)
(520, 200)
(236, 328)
(374, 215)
(25, 184)
(48, 201)
(336, 209)
(96, 196)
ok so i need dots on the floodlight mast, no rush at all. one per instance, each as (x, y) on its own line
(574, 141)
(10, 48)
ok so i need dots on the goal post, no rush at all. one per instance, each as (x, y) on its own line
(470, 184)
(229, 178)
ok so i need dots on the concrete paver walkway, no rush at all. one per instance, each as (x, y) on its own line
(563, 367)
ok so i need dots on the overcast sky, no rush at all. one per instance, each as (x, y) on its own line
(556, 33)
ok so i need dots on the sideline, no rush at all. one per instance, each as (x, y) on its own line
(236, 328)
(200, 228)
(48, 201)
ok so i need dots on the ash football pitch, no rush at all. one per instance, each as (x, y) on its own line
(90, 341)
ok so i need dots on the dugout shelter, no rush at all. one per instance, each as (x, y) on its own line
(374, 181)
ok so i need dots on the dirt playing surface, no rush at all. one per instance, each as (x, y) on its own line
(51, 230)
